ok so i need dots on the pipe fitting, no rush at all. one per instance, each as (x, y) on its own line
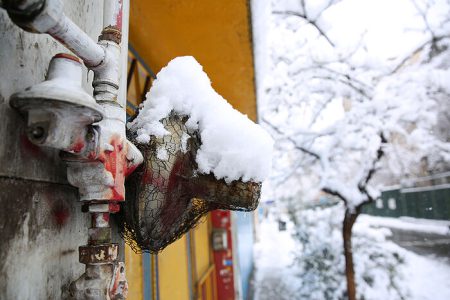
(59, 112)
(101, 282)
(107, 74)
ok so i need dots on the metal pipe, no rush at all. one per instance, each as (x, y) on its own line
(112, 13)
(77, 41)
(125, 19)
(99, 174)
(47, 16)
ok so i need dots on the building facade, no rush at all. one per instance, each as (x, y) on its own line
(42, 225)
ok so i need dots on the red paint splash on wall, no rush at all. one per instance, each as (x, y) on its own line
(61, 216)
(29, 147)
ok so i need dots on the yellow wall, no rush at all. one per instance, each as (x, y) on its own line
(173, 271)
(217, 33)
(201, 240)
(133, 269)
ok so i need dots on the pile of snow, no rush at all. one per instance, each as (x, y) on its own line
(232, 146)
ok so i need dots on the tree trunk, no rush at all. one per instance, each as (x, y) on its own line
(349, 220)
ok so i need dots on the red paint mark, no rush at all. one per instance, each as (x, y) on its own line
(30, 148)
(61, 216)
(114, 207)
(176, 203)
(116, 163)
(105, 216)
(67, 56)
(77, 147)
(157, 181)
(119, 16)
(92, 155)
(174, 175)
(130, 170)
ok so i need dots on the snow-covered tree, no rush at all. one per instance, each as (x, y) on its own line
(357, 96)
(321, 261)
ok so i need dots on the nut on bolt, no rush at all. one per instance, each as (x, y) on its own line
(37, 133)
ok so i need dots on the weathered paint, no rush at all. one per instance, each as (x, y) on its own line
(216, 33)
(41, 223)
(39, 253)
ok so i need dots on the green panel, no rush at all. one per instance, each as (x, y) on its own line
(430, 204)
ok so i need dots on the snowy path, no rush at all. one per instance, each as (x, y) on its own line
(276, 277)
(430, 238)
(426, 244)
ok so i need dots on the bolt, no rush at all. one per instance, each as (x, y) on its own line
(37, 133)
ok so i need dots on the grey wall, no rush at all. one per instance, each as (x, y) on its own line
(41, 225)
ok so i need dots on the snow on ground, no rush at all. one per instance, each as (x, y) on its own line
(406, 223)
(233, 147)
(277, 276)
(428, 279)
(275, 272)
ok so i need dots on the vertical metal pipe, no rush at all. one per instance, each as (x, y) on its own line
(112, 13)
(125, 18)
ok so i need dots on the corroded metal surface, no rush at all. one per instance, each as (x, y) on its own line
(98, 254)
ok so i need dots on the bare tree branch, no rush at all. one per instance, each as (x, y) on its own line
(335, 193)
(294, 142)
(308, 20)
(416, 51)
(362, 186)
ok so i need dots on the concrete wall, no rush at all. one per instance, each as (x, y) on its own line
(41, 225)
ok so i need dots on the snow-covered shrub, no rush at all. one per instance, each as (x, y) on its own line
(321, 264)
